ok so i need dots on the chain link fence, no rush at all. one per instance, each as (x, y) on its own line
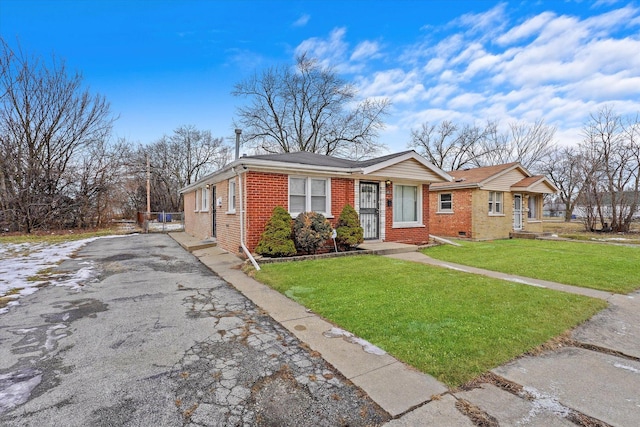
(161, 222)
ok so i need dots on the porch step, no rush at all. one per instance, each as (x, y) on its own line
(387, 248)
(191, 243)
(528, 235)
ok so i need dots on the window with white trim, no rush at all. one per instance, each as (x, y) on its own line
(533, 207)
(309, 194)
(232, 196)
(407, 200)
(445, 202)
(205, 199)
(495, 202)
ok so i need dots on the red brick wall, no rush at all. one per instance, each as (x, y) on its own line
(264, 192)
(342, 193)
(452, 224)
(411, 235)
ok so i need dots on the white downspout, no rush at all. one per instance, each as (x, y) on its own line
(241, 193)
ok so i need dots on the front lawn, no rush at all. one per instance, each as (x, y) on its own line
(451, 325)
(605, 267)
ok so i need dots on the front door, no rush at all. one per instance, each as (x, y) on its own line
(213, 212)
(517, 212)
(369, 210)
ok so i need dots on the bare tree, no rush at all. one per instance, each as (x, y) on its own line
(450, 146)
(526, 143)
(46, 118)
(564, 167)
(308, 108)
(176, 160)
(612, 167)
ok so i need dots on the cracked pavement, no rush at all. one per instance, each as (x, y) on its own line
(155, 338)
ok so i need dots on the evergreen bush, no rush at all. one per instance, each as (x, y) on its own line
(310, 231)
(276, 240)
(349, 232)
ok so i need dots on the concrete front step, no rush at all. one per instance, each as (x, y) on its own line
(191, 243)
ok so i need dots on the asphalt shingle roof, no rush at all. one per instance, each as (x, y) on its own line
(306, 158)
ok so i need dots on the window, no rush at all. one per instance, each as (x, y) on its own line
(406, 203)
(495, 202)
(445, 202)
(205, 199)
(232, 196)
(195, 199)
(533, 207)
(309, 194)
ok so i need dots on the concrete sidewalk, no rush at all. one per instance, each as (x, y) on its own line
(595, 383)
(396, 387)
(424, 259)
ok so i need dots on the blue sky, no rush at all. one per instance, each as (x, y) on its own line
(163, 64)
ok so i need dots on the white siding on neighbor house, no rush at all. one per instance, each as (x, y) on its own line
(409, 169)
(504, 182)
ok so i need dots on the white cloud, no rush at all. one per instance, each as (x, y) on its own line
(395, 84)
(466, 101)
(335, 52)
(526, 29)
(302, 21)
(365, 50)
(558, 68)
(486, 23)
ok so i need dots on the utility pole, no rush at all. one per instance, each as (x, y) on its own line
(148, 189)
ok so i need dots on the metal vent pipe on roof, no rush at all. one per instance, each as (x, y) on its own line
(238, 133)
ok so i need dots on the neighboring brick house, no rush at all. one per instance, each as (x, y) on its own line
(390, 193)
(488, 202)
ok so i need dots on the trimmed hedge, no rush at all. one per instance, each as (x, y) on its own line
(276, 240)
(349, 232)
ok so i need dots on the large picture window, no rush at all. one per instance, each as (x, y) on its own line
(308, 194)
(406, 204)
(495, 202)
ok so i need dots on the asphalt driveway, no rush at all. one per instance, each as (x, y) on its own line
(155, 338)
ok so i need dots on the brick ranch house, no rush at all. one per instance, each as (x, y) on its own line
(390, 193)
(488, 202)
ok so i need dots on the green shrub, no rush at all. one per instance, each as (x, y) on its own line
(276, 240)
(310, 231)
(349, 232)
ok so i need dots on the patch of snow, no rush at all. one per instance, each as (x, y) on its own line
(626, 367)
(52, 337)
(542, 403)
(349, 337)
(21, 261)
(15, 388)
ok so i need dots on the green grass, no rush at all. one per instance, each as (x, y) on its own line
(451, 325)
(598, 266)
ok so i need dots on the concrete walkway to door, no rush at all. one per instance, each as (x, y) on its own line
(591, 380)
